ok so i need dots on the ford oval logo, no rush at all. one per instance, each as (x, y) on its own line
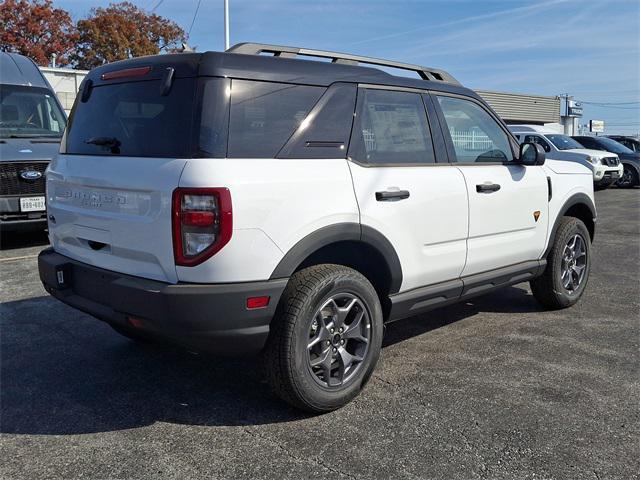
(30, 175)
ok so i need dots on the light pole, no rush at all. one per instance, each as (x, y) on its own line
(226, 24)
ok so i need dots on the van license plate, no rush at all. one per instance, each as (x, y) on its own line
(32, 204)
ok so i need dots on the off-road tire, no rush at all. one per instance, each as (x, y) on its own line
(286, 351)
(548, 289)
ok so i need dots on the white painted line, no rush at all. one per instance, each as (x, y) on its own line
(17, 258)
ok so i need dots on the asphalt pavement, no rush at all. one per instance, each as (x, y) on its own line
(495, 388)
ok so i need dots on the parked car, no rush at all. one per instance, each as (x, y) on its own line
(606, 167)
(233, 202)
(632, 143)
(31, 125)
(630, 159)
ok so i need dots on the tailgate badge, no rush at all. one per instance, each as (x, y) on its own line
(536, 215)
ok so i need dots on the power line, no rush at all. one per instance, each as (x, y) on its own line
(608, 103)
(195, 14)
(160, 2)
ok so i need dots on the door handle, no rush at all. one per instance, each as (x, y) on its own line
(392, 195)
(487, 187)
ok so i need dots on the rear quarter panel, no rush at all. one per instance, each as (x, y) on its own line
(276, 203)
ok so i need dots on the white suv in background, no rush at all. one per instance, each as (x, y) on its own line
(242, 203)
(606, 166)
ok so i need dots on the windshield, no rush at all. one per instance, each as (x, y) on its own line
(612, 145)
(29, 112)
(564, 142)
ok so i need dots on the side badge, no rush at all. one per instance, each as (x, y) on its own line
(536, 215)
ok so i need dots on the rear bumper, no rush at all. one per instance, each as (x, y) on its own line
(211, 318)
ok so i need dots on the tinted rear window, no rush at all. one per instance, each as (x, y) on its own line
(143, 122)
(264, 115)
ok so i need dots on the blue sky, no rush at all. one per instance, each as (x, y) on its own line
(588, 48)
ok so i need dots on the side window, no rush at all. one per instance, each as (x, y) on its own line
(325, 132)
(391, 127)
(264, 115)
(476, 136)
(539, 140)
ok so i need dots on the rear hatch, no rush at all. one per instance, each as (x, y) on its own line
(129, 137)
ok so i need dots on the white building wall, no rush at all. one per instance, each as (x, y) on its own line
(65, 83)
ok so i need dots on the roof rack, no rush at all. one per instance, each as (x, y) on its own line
(425, 73)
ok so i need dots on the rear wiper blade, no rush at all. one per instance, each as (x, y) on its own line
(31, 135)
(112, 142)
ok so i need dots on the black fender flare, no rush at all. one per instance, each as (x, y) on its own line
(575, 199)
(337, 233)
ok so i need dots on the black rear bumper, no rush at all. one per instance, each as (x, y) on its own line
(212, 318)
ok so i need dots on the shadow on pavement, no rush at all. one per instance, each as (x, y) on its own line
(15, 240)
(63, 372)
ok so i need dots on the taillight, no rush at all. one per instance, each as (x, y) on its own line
(202, 223)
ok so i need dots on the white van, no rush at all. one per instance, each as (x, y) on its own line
(606, 166)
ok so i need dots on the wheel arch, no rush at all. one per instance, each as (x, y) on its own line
(633, 164)
(357, 246)
(580, 206)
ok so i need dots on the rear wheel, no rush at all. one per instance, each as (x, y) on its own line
(629, 178)
(325, 339)
(568, 266)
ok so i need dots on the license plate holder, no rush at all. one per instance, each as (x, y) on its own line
(32, 204)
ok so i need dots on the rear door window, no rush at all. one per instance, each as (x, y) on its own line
(134, 119)
(264, 115)
(391, 128)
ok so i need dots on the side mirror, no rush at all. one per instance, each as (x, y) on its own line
(531, 154)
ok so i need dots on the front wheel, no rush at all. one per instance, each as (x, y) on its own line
(325, 339)
(568, 266)
(629, 178)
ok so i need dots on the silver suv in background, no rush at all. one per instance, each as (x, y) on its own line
(606, 166)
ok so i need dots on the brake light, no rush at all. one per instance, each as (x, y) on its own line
(202, 223)
(126, 73)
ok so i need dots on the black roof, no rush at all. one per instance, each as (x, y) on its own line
(271, 68)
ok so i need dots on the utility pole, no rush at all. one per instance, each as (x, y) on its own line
(226, 25)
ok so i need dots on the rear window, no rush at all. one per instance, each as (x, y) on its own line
(134, 119)
(264, 115)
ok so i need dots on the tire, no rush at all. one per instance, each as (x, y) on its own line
(130, 333)
(553, 289)
(316, 303)
(629, 178)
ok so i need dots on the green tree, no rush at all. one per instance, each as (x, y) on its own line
(37, 30)
(122, 31)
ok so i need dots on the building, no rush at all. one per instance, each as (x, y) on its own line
(65, 83)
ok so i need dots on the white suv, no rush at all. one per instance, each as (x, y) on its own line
(243, 203)
(606, 166)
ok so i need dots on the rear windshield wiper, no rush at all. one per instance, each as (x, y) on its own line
(31, 135)
(112, 142)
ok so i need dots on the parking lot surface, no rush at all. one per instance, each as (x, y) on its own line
(493, 388)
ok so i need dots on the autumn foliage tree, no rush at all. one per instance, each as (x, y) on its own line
(37, 30)
(122, 31)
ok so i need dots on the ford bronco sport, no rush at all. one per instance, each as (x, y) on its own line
(254, 202)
